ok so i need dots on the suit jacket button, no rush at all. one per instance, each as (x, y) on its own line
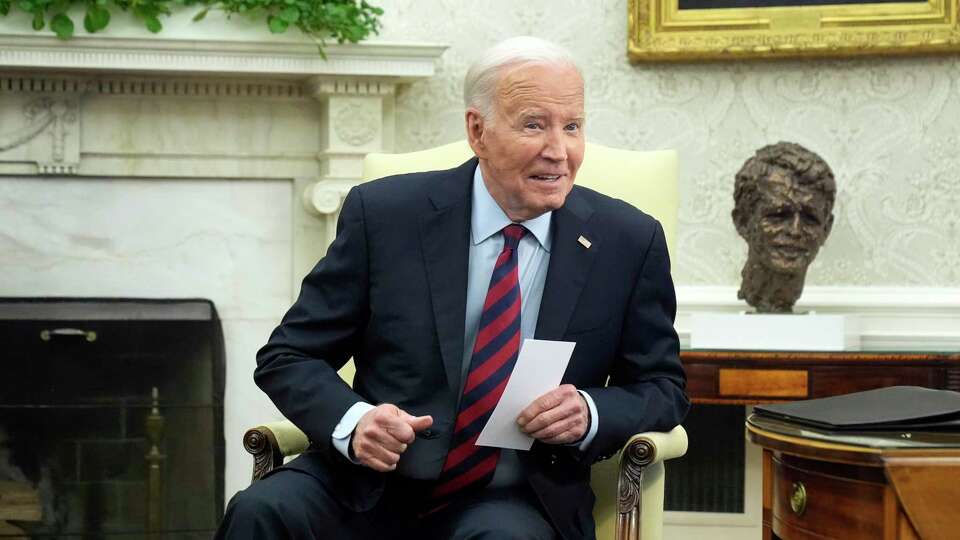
(553, 459)
(428, 433)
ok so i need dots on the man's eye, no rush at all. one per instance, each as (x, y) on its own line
(532, 125)
(810, 218)
(573, 126)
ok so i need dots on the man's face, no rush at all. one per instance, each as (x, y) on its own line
(790, 224)
(531, 150)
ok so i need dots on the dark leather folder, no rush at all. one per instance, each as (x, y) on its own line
(883, 409)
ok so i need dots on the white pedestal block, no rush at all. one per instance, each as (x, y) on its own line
(787, 331)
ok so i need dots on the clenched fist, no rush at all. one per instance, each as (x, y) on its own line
(561, 416)
(383, 433)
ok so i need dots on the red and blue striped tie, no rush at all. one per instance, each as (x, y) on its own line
(494, 354)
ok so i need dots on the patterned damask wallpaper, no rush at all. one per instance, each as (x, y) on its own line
(889, 128)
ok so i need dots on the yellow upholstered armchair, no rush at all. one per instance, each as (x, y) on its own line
(629, 487)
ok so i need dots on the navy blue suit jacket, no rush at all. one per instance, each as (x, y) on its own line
(391, 293)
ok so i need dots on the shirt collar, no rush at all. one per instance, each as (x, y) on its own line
(487, 218)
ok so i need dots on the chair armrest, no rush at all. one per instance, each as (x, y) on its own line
(270, 443)
(651, 447)
(640, 482)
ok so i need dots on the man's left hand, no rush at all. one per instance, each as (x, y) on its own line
(560, 416)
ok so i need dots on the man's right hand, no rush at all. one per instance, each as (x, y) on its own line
(383, 433)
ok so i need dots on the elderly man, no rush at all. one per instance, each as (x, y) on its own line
(431, 284)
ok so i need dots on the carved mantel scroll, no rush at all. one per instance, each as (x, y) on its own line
(324, 198)
(354, 122)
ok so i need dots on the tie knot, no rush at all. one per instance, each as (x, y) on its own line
(512, 234)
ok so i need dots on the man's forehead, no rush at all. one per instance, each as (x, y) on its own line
(536, 110)
(538, 83)
(779, 188)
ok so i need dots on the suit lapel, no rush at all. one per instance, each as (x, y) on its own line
(570, 263)
(445, 241)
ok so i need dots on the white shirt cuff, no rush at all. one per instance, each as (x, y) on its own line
(343, 432)
(594, 422)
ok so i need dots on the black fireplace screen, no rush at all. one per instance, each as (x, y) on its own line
(111, 418)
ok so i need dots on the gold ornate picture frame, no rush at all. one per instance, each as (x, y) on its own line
(669, 30)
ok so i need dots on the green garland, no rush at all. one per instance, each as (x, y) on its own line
(343, 20)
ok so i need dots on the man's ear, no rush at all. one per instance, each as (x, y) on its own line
(827, 228)
(475, 127)
(739, 221)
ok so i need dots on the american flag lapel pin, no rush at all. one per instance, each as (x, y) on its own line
(584, 242)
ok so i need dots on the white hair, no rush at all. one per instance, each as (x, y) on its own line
(480, 84)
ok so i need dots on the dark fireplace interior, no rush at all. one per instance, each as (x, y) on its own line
(111, 418)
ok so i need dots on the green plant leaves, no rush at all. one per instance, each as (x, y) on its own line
(62, 26)
(343, 20)
(277, 25)
(148, 11)
(290, 14)
(97, 18)
(153, 23)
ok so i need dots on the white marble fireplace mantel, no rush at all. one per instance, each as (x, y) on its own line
(298, 59)
(187, 165)
(53, 81)
(220, 100)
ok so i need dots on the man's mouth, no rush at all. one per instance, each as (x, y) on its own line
(789, 250)
(546, 177)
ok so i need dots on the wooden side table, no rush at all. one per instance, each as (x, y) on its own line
(751, 377)
(850, 486)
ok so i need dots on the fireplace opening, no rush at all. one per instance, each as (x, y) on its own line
(111, 418)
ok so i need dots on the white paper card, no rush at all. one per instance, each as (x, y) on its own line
(538, 370)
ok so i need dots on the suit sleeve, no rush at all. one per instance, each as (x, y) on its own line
(646, 387)
(298, 366)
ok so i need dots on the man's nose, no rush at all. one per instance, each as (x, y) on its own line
(794, 228)
(554, 147)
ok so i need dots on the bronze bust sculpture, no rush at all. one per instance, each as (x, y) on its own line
(783, 208)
